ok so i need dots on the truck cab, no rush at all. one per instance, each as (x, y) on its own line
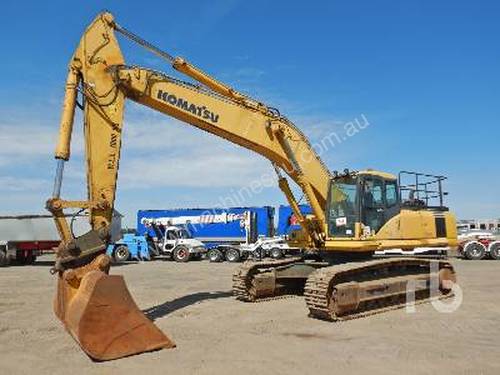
(177, 242)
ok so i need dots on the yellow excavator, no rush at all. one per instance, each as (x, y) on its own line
(353, 213)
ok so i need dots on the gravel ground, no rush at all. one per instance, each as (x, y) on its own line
(216, 334)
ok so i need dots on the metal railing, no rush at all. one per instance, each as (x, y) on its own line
(422, 189)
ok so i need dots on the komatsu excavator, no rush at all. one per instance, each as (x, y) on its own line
(348, 221)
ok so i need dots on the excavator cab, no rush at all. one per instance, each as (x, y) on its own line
(372, 198)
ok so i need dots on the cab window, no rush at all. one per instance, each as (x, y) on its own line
(171, 235)
(391, 194)
(342, 210)
(373, 193)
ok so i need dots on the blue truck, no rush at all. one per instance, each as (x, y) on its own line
(215, 232)
(130, 247)
(205, 225)
(287, 221)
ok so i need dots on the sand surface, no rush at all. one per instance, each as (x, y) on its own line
(215, 334)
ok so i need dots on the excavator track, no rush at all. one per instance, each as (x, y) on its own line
(244, 282)
(354, 290)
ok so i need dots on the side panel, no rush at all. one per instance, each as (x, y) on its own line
(27, 228)
(410, 224)
(410, 229)
(213, 234)
(36, 228)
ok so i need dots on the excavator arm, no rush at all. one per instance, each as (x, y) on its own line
(88, 300)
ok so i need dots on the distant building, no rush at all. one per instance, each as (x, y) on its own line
(481, 224)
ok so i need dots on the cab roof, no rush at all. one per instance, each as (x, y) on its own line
(372, 172)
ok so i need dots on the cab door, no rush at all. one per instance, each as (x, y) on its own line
(380, 201)
(373, 203)
(343, 207)
(391, 195)
(170, 239)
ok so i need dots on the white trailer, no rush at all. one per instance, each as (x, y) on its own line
(275, 247)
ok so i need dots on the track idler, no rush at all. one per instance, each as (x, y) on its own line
(99, 312)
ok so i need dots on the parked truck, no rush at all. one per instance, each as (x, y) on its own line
(174, 234)
(229, 234)
(172, 240)
(130, 247)
(220, 231)
(25, 237)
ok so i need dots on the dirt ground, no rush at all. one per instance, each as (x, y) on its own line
(215, 334)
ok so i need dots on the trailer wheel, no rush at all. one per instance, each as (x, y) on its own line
(276, 253)
(181, 254)
(28, 259)
(474, 250)
(215, 255)
(4, 259)
(121, 254)
(259, 254)
(232, 255)
(495, 250)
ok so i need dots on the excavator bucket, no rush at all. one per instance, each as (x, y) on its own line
(100, 314)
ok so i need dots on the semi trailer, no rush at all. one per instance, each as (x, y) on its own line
(25, 237)
(231, 234)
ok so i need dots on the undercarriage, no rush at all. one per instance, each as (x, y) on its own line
(342, 290)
